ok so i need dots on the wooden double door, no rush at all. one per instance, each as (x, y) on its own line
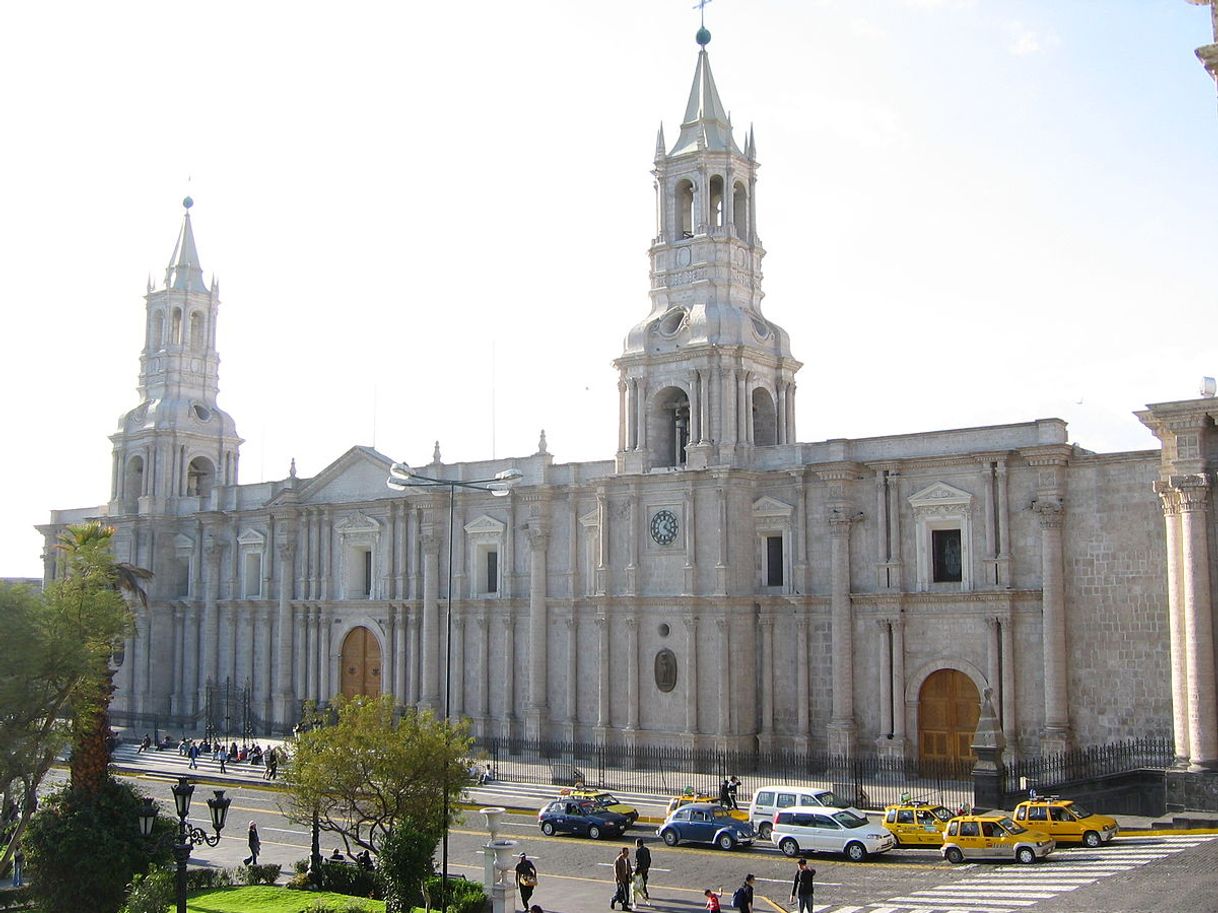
(361, 664)
(948, 708)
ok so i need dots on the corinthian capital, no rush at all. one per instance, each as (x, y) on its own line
(1051, 513)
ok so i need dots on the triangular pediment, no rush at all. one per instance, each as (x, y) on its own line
(771, 507)
(251, 537)
(485, 526)
(357, 523)
(940, 493)
(357, 475)
(591, 518)
(183, 543)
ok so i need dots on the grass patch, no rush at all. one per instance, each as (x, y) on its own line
(265, 899)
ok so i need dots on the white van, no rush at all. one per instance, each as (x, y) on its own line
(769, 800)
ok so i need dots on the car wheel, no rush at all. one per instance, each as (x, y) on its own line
(670, 837)
(855, 851)
(954, 856)
(765, 830)
(1091, 839)
(594, 832)
(1025, 855)
(789, 846)
(547, 828)
(727, 842)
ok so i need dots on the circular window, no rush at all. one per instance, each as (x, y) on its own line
(202, 413)
(666, 670)
(664, 629)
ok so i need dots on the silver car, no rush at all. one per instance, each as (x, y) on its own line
(829, 831)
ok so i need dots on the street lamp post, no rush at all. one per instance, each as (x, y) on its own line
(188, 835)
(400, 478)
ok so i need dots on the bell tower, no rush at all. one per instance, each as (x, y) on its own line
(177, 443)
(705, 378)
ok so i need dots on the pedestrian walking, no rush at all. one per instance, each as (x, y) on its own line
(725, 793)
(642, 865)
(272, 762)
(742, 900)
(733, 788)
(526, 879)
(193, 753)
(255, 845)
(221, 756)
(622, 873)
(803, 887)
(18, 863)
(712, 900)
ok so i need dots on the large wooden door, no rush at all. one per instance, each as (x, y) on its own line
(948, 707)
(361, 664)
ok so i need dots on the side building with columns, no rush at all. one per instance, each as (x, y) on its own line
(715, 582)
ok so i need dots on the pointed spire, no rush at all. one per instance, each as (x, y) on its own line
(704, 114)
(751, 149)
(660, 145)
(184, 271)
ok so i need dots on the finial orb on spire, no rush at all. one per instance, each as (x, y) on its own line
(188, 202)
(703, 37)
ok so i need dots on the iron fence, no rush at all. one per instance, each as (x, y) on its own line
(866, 781)
(1047, 772)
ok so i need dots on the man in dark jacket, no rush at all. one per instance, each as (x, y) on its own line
(642, 864)
(742, 900)
(622, 873)
(803, 887)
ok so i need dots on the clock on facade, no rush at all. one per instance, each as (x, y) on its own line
(664, 527)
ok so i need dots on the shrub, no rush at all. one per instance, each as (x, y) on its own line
(404, 862)
(464, 896)
(204, 879)
(256, 874)
(84, 850)
(154, 892)
(15, 898)
(342, 878)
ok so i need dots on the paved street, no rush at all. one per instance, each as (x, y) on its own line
(1136, 874)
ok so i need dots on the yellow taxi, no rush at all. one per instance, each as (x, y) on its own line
(604, 800)
(917, 823)
(1066, 821)
(688, 797)
(993, 837)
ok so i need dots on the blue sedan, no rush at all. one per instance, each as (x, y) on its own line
(706, 823)
(571, 816)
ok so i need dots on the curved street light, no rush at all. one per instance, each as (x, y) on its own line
(188, 835)
(402, 477)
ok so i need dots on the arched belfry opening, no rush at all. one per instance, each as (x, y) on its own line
(765, 418)
(668, 427)
(716, 201)
(740, 210)
(133, 482)
(685, 209)
(197, 342)
(200, 477)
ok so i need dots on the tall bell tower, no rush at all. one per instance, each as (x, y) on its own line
(705, 378)
(177, 444)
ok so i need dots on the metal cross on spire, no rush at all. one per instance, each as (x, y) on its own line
(700, 6)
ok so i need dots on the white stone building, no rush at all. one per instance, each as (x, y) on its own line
(716, 582)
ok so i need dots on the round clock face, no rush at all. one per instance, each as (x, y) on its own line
(664, 527)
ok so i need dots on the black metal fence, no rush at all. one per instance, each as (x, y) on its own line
(227, 713)
(1047, 772)
(867, 781)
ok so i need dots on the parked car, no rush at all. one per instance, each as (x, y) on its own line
(574, 816)
(705, 822)
(827, 830)
(1066, 821)
(993, 837)
(917, 823)
(603, 799)
(770, 800)
(676, 802)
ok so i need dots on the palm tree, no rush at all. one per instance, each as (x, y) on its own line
(103, 590)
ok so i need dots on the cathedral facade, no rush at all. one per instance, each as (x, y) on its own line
(715, 582)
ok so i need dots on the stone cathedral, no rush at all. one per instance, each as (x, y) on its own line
(716, 582)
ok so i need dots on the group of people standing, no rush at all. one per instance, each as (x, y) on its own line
(803, 889)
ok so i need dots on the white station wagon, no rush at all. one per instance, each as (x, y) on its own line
(829, 831)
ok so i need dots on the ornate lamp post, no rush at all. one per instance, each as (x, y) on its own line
(401, 477)
(188, 835)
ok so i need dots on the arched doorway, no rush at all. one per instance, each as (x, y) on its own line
(361, 664)
(948, 707)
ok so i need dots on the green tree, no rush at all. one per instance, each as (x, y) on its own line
(404, 865)
(370, 769)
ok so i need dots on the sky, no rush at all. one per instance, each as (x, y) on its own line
(430, 221)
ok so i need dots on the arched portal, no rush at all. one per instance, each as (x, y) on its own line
(361, 664)
(948, 708)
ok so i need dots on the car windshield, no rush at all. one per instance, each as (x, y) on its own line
(1011, 827)
(942, 813)
(848, 819)
(604, 799)
(832, 799)
(587, 808)
(1078, 811)
(719, 812)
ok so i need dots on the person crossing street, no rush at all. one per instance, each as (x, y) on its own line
(803, 887)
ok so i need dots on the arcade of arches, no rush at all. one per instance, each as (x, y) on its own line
(948, 708)
(361, 664)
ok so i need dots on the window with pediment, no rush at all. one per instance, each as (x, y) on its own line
(943, 537)
(772, 523)
(251, 546)
(485, 538)
(359, 535)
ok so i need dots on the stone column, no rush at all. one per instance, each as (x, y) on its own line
(842, 727)
(725, 678)
(412, 659)
(313, 656)
(325, 683)
(1004, 529)
(245, 634)
(572, 702)
(632, 674)
(691, 674)
(262, 661)
(283, 629)
(484, 675)
(603, 719)
(175, 699)
(993, 656)
(767, 682)
(898, 682)
(1009, 731)
(429, 649)
(782, 413)
(458, 673)
(509, 674)
(1056, 737)
(695, 409)
(1175, 618)
(622, 413)
(537, 714)
(300, 662)
(803, 687)
(144, 672)
(885, 666)
(209, 641)
(190, 657)
(401, 650)
(1198, 624)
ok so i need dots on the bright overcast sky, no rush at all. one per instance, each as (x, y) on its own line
(431, 220)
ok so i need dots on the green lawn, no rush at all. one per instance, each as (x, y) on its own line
(264, 899)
